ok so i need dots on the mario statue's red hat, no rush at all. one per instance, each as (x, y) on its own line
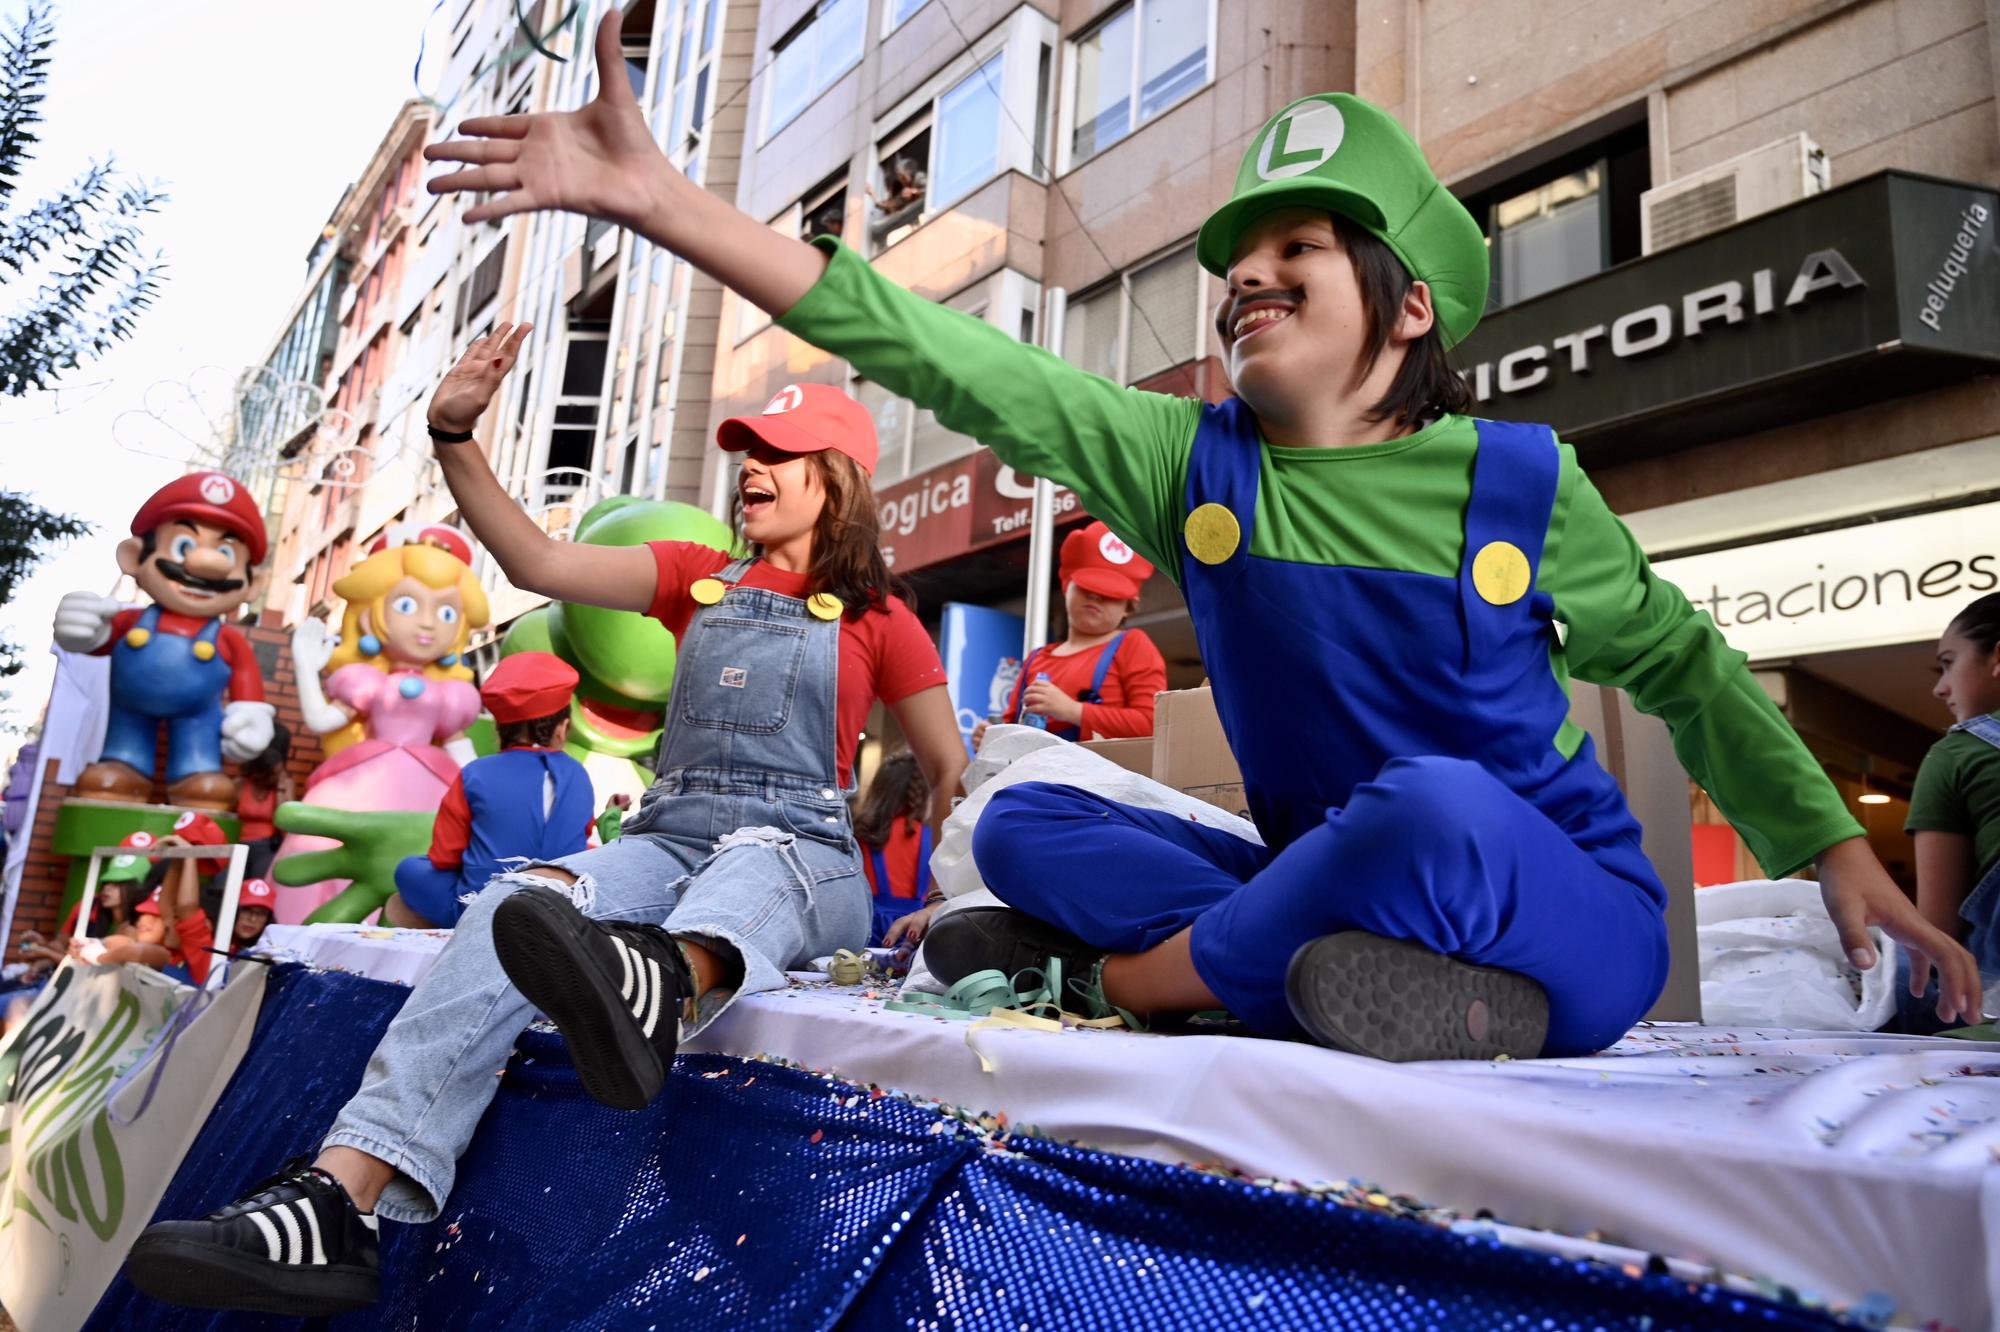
(206, 497)
(528, 685)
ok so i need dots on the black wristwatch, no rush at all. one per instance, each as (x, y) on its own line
(447, 436)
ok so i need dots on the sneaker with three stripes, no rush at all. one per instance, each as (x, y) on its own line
(614, 987)
(295, 1244)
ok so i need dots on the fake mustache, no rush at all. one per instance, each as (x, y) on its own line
(1225, 312)
(179, 573)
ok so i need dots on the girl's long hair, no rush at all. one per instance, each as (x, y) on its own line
(847, 540)
(898, 789)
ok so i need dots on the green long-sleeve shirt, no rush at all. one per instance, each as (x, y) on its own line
(1397, 505)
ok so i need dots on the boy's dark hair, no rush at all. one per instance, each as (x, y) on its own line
(1425, 386)
(536, 731)
(1979, 623)
(266, 766)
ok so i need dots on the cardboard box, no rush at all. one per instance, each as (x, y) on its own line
(1188, 747)
(1229, 799)
(1134, 754)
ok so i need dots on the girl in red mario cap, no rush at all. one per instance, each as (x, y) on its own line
(739, 864)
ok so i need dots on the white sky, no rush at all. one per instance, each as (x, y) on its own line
(254, 116)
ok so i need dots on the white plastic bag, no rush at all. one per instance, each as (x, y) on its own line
(1011, 754)
(1771, 957)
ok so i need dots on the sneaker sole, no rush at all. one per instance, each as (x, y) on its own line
(1398, 1001)
(214, 1276)
(541, 941)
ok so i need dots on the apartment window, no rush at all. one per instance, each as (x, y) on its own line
(482, 286)
(1146, 321)
(824, 211)
(811, 56)
(965, 150)
(904, 164)
(684, 98)
(1134, 65)
(899, 11)
(573, 437)
(1565, 220)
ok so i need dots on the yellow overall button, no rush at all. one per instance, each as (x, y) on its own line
(708, 591)
(825, 605)
(137, 638)
(1212, 533)
(204, 650)
(1500, 573)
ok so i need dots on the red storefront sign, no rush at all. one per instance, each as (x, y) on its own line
(972, 502)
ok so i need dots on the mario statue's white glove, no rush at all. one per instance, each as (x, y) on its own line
(83, 620)
(247, 728)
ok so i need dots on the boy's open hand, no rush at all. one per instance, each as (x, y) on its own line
(599, 160)
(469, 386)
(1858, 893)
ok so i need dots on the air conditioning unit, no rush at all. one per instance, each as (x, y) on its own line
(1755, 182)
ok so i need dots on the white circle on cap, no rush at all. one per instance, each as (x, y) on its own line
(789, 399)
(1113, 550)
(217, 488)
(185, 820)
(1300, 140)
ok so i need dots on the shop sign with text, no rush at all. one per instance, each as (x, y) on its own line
(1899, 581)
(959, 507)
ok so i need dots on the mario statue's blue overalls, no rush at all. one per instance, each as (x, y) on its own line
(166, 677)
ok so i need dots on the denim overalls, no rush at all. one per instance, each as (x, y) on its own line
(1406, 757)
(742, 840)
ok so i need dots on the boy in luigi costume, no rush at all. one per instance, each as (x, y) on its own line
(1390, 598)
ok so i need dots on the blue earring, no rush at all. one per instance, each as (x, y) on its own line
(370, 645)
(448, 659)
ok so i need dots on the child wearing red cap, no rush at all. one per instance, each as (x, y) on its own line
(528, 801)
(1102, 678)
(738, 864)
(194, 549)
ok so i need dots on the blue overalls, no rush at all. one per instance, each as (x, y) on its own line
(1981, 913)
(170, 678)
(888, 907)
(505, 794)
(1094, 694)
(1406, 755)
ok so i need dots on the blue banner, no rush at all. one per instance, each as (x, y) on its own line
(981, 648)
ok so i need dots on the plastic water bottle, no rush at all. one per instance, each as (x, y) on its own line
(1035, 719)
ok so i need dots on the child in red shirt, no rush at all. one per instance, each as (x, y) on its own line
(1102, 677)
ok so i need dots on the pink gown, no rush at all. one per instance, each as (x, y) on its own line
(397, 765)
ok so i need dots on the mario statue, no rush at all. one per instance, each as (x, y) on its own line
(193, 549)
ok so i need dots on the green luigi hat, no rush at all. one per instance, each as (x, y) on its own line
(1337, 152)
(121, 869)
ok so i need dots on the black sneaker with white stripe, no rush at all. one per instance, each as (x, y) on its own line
(294, 1244)
(614, 988)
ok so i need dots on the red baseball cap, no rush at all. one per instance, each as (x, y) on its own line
(806, 418)
(149, 907)
(200, 829)
(257, 893)
(442, 535)
(208, 497)
(1097, 561)
(528, 685)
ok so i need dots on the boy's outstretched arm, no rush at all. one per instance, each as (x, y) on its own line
(1123, 452)
(1631, 629)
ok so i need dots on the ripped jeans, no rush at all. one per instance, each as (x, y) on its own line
(768, 895)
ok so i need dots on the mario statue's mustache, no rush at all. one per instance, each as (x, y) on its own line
(179, 573)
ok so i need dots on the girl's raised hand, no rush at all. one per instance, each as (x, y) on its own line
(469, 386)
(599, 160)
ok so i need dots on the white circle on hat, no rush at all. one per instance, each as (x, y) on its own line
(217, 488)
(1113, 550)
(186, 820)
(1300, 140)
(789, 399)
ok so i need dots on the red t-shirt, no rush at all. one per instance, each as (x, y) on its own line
(1137, 673)
(246, 682)
(884, 653)
(899, 858)
(196, 936)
